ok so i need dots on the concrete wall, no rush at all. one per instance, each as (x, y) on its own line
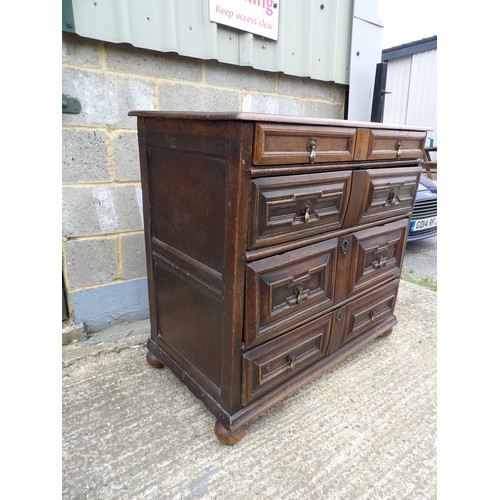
(103, 249)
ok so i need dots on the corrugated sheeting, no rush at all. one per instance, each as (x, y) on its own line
(312, 41)
(412, 81)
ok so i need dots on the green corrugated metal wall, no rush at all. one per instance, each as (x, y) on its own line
(314, 35)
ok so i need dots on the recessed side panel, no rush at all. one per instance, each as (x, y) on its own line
(189, 323)
(188, 209)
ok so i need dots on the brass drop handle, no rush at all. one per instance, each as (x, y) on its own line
(379, 261)
(312, 155)
(393, 197)
(306, 209)
(312, 144)
(298, 292)
(291, 359)
(398, 148)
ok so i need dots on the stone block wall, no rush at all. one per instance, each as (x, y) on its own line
(103, 250)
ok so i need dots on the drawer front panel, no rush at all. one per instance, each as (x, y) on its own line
(277, 361)
(295, 206)
(281, 144)
(375, 255)
(366, 313)
(283, 290)
(380, 144)
(382, 193)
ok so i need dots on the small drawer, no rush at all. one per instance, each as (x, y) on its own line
(381, 144)
(277, 361)
(372, 256)
(277, 144)
(382, 193)
(288, 207)
(364, 314)
(284, 290)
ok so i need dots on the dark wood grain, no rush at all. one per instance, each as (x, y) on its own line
(268, 265)
(386, 144)
(277, 144)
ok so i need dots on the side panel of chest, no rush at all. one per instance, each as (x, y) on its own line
(192, 176)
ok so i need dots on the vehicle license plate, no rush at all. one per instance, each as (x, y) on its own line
(421, 224)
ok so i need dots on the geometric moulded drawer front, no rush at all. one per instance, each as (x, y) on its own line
(382, 193)
(375, 255)
(295, 206)
(277, 361)
(371, 311)
(287, 289)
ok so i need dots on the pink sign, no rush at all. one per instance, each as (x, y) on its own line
(254, 16)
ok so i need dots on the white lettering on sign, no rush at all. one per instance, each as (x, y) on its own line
(254, 16)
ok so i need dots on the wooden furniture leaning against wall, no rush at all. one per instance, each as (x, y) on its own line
(274, 248)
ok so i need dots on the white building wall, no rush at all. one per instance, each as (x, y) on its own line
(366, 46)
(412, 81)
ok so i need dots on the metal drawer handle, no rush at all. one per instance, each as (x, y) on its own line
(306, 209)
(398, 148)
(392, 199)
(372, 315)
(298, 292)
(379, 261)
(291, 359)
(312, 144)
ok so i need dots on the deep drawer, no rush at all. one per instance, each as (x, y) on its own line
(373, 256)
(277, 144)
(380, 144)
(275, 362)
(364, 314)
(288, 288)
(295, 206)
(381, 193)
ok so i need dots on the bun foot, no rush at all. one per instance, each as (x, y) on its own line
(386, 334)
(153, 360)
(227, 437)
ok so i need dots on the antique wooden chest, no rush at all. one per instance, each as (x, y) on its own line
(274, 248)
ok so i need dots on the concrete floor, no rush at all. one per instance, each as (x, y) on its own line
(364, 430)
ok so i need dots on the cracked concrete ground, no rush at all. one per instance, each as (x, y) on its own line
(366, 429)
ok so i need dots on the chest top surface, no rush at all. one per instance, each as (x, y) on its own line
(269, 118)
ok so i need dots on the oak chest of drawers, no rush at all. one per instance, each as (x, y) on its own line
(274, 248)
